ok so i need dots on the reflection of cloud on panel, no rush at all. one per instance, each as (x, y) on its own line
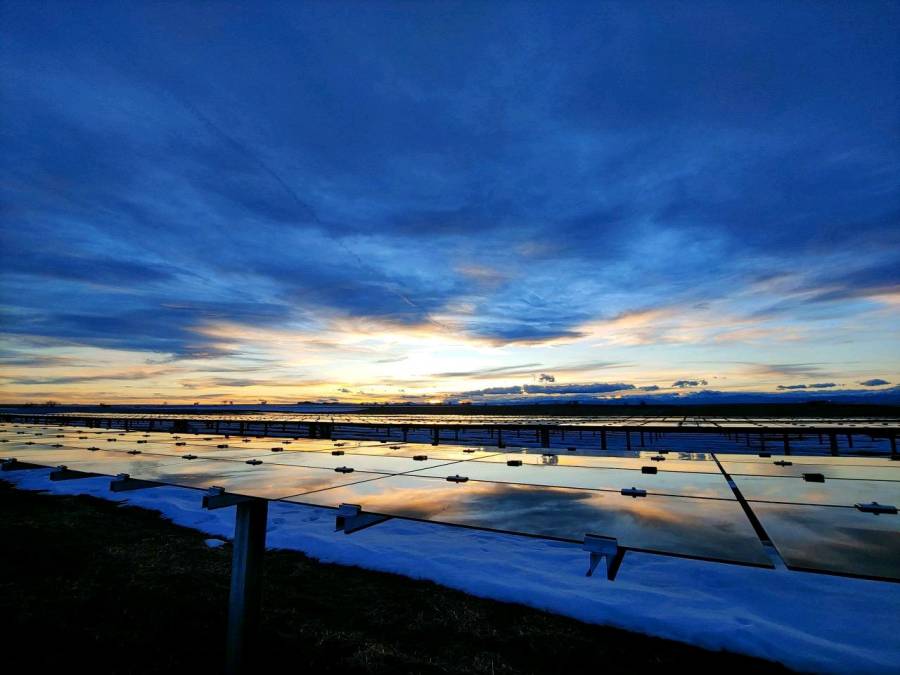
(696, 527)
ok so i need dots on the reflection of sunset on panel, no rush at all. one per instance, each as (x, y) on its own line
(711, 527)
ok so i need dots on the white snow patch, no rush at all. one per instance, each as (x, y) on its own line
(807, 621)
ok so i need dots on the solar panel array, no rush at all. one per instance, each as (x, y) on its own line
(603, 434)
(823, 514)
(588, 421)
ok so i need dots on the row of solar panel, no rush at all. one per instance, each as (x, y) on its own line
(798, 444)
(683, 511)
(869, 467)
(838, 481)
(825, 423)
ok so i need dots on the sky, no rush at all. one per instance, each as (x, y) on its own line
(447, 201)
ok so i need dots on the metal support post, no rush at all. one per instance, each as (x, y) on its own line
(246, 583)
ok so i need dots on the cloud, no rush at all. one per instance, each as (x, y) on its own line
(519, 369)
(36, 361)
(553, 389)
(592, 388)
(786, 369)
(493, 391)
(818, 385)
(77, 379)
(876, 382)
(546, 377)
(682, 384)
(530, 369)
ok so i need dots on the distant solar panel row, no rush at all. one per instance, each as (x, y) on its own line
(507, 421)
(818, 511)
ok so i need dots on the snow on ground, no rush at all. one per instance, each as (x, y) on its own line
(806, 621)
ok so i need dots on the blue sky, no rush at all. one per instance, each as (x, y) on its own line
(292, 201)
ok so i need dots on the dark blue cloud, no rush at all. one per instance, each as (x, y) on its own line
(683, 384)
(552, 389)
(876, 382)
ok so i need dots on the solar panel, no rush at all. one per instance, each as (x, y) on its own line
(682, 526)
(885, 462)
(784, 466)
(835, 491)
(663, 482)
(267, 481)
(833, 539)
(669, 461)
(370, 463)
(101, 461)
(433, 452)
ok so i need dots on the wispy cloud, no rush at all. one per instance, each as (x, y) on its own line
(78, 379)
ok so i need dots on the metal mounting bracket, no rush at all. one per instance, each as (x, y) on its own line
(125, 483)
(12, 464)
(603, 547)
(217, 498)
(351, 518)
(62, 472)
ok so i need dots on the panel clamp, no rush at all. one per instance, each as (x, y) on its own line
(876, 508)
(634, 492)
